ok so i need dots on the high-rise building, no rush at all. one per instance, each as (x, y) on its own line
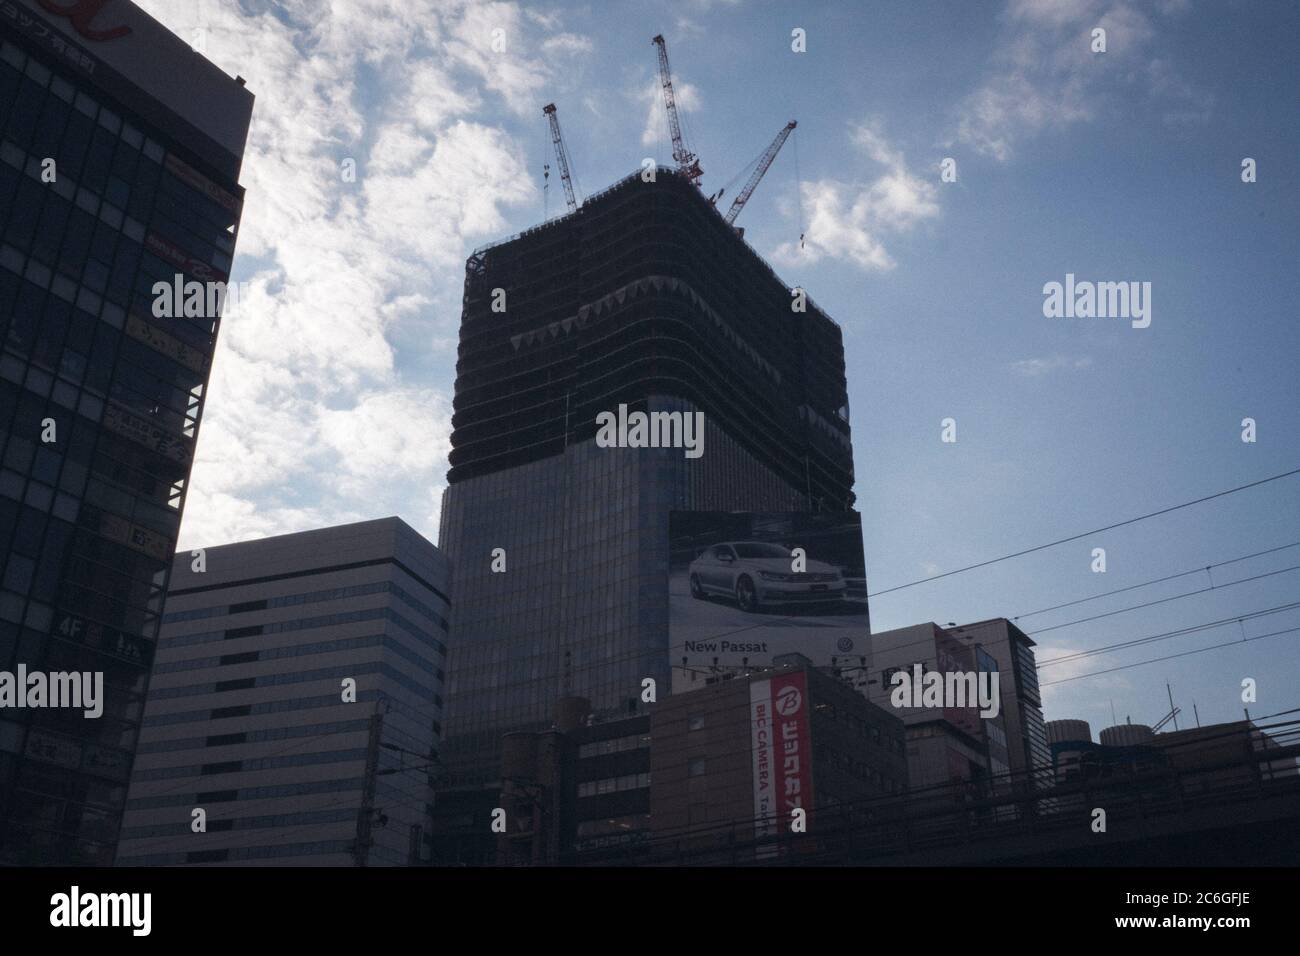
(946, 744)
(1028, 752)
(119, 166)
(644, 298)
(296, 700)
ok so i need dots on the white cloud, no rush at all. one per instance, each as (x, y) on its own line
(1038, 367)
(655, 130)
(567, 43)
(851, 220)
(1044, 74)
(1066, 686)
(392, 435)
(309, 418)
(687, 27)
(511, 71)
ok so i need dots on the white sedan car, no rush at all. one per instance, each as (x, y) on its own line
(757, 574)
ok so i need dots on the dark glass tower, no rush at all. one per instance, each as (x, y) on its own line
(119, 163)
(643, 296)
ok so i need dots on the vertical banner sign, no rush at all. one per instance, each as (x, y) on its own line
(782, 747)
(762, 746)
(790, 704)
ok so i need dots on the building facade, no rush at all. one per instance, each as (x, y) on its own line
(296, 700)
(645, 297)
(948, 744)
(119, 165)
(1028, 752)
(731, 761)
(579, 793)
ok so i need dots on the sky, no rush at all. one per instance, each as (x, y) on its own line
(331, 391)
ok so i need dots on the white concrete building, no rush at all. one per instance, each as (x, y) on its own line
(252, 716)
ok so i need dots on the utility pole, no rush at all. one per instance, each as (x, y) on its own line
(417, 837)
(365, 815)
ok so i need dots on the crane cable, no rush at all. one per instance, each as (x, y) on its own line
(798, 187)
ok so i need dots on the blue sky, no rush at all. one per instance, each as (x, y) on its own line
(331, 393)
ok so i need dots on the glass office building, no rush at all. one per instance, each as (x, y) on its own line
(644, 296)
(120, 151)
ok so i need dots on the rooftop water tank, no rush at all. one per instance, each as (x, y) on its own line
(1068, 731)
(1128, 735)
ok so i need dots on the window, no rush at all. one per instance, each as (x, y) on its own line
(696, 768)
(755, 549)
(695, 722)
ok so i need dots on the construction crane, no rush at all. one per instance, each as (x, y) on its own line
(687, 162)
(561, 156)
(764, 162)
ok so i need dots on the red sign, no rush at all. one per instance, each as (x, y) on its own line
(81, 13)
(168, 251)
(794, 771)
(781, 739)
(196, 180)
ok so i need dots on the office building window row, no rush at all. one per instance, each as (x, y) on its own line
(623, 824)
(269, 792)
(245, 823)
(297, 677)
(247, 766)
(320, 848)
(302, 650)
(846, 763)
(309, 597)
(327, 620)
(613, 745)
(251, 710)
(254, 736)
(631, 781)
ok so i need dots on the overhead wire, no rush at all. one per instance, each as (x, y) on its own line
(1085, 534)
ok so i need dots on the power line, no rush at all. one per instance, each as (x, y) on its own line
(1176, 597)
(1168, 657)
(1170, 577)
(1249, 616)
(1084, 534)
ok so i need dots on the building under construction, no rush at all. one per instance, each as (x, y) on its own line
(644, 295)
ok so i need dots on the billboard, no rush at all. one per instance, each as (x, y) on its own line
(747, 587)
(781, 743)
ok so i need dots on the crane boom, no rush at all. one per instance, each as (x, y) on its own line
(561, 156)
(687, 162)
(764, 162)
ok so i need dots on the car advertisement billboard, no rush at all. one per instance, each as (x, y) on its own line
(747, 587)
